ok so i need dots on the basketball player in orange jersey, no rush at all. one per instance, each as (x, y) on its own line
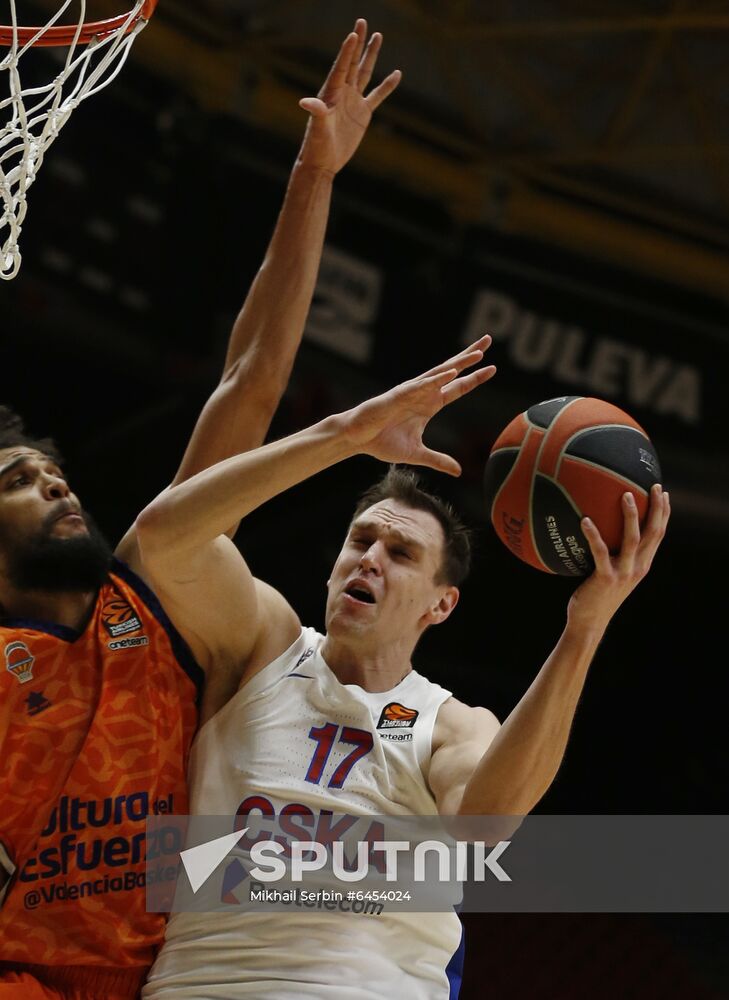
(98, 692)
(284, 743)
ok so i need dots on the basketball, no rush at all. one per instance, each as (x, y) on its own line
(560, 461)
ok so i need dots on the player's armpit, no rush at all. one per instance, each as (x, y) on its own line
(128, 551)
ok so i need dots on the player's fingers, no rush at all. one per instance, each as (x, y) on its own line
(655, 529)
(467, 383)
(666, 514)
(631, 533)
(658, 512)
(375, 97)
(598, 548)
(456, 364)
(360, 29)
(315, 107)
(654, 524)
(437, 460)
(465, 358)
(367, 63)
(435, 380)
(338, 73)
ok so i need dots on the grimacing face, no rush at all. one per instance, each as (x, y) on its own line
(383, 585)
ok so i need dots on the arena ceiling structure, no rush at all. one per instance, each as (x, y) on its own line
(600, 127)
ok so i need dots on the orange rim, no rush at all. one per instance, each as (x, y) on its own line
(64, 34)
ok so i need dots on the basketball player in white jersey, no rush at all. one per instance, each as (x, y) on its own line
(306, 729)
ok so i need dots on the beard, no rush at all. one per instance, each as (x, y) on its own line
(58, 565)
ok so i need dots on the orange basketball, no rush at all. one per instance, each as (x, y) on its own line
(558, 462)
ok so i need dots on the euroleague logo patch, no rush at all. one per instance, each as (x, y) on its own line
(397, 716)
(119, 618)
(19, 661)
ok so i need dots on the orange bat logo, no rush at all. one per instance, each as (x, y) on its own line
(397, 716)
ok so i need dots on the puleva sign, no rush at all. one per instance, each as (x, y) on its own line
(604, 366)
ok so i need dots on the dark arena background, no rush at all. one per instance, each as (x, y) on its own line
(555, 173)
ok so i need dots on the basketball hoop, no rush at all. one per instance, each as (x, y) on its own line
(37, 114)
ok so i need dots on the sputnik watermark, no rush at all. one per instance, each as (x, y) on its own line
(304, 857)
(553, 864)
(201, 861)
(452, 860)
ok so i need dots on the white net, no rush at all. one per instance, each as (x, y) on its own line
(34, 115)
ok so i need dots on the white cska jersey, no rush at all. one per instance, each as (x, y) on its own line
(295, 735)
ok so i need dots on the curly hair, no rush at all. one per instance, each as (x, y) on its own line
(13, 434)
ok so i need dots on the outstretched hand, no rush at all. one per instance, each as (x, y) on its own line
(597, 599)
(390, 427)
(341, 113)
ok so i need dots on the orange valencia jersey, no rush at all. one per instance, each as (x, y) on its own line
(95, 730)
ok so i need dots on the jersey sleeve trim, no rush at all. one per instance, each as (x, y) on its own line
(179, 647)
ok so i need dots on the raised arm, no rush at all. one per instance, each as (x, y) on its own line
(267, 333)
(479, 769)
(201, 578)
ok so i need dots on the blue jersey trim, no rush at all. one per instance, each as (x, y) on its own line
(179, 647)
(50, 628)
(454, 969)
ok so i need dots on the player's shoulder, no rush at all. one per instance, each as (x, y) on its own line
(458, 723)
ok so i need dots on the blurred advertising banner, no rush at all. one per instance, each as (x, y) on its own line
(554, 332)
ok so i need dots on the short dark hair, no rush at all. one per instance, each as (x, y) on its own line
(404, 485)
(13, 435)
